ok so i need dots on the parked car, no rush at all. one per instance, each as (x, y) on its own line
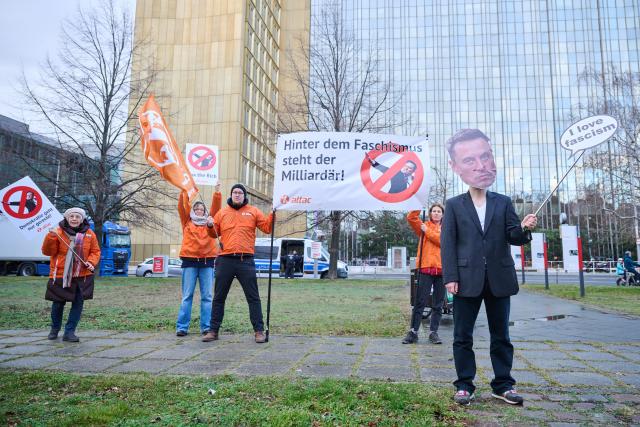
(145, 269)
(599, 263)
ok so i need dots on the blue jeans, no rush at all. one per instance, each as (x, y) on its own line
(57, 309)
(189, 276)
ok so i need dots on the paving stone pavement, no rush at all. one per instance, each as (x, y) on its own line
(572, 375)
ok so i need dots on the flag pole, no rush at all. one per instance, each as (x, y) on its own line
(419, 260)
(273, 226)
(71, 249)
(214, 226)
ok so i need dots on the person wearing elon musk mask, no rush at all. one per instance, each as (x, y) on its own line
(478, 228)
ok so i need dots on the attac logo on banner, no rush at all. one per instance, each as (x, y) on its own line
(202, 161)
(345, 171)
(28, 209)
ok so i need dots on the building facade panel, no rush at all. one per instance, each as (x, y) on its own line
(218, 83)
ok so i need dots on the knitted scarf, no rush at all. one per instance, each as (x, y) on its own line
(72, 264)
(199, 220)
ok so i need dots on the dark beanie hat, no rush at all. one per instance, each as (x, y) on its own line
(240, 186)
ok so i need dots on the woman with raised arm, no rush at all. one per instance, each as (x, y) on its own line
(429, 265)
(198, 252)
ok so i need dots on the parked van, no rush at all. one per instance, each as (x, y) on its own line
(283, 247)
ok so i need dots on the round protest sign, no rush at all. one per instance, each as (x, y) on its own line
(202, 158)
(22, 202)
(404, 175)
(589, 132)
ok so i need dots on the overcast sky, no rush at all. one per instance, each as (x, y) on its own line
(29, 31)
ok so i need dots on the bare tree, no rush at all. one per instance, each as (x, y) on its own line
(339, 89)
(88, 98)
(443, 180)
(618, 95)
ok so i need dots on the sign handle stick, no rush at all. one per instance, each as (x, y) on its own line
(71, 249)
(558, 184)
(214, 227)
(273, 226)
(419, 260)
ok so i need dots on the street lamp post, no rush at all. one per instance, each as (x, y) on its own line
(635, 226)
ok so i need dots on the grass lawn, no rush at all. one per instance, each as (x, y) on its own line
(612, 298)
(45, 398)
(298, 306)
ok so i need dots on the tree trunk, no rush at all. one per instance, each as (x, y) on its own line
(336, 219)
(97, 228)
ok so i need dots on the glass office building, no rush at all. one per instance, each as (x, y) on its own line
(510, 68)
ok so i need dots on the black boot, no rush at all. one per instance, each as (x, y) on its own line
(70, 337)
(410, 338)
(53, 334)
(434, 338)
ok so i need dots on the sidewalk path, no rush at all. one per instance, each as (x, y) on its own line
(583, 368)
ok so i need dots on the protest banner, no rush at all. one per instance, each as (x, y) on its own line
(29, 210)
(344, 171)
(203, 163)
(160, 149)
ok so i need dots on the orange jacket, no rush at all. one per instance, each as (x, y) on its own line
(237, 228)
(196, 241)
(57, 251)
(430, 251)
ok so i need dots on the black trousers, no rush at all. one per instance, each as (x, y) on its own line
(288, 272)
(465, 312)
(243, 269)
(423, 290)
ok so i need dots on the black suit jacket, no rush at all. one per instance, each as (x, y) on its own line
(468, 253)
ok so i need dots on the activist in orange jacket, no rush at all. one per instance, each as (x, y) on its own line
(236, 224)
(198, 252)
(429, 267)
(74, 255)
(429, 251)
(197, 242)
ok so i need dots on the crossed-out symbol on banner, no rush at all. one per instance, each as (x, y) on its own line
(202, 158)
(25, 207)
(375, 187)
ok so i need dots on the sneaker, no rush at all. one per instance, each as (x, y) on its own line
(410, 338)
(209, 336)
(511, 397)
(70, 337)
(181, 333)
(463, 397)
(434, 338)
(260, 337)
(53, 334)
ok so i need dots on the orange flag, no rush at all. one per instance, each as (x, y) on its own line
(160, 149)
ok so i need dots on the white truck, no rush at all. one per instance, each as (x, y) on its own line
(19, 255)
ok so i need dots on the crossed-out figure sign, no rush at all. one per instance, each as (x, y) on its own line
(405, 176)
(28, 202)
(202, 158)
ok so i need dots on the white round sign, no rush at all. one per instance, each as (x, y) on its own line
(587, 133)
